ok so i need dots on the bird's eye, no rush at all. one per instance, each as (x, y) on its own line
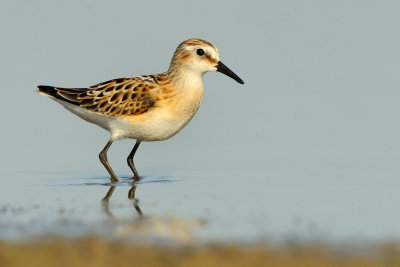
(200, 52)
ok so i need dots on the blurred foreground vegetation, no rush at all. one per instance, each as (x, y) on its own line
(99, 252)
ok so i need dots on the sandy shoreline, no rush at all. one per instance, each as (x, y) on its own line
(99, 252)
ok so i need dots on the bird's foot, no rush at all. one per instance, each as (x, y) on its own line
(114, 179)
(136, 178)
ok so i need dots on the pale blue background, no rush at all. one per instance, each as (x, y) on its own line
(319, 109)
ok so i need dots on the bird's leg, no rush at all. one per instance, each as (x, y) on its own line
(130, 161)
(109, 193)
(104, 160)
(106, 199)
(131, 195)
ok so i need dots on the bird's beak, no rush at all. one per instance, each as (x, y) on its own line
(225, 70)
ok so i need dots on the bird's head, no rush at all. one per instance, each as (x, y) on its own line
(200, 56)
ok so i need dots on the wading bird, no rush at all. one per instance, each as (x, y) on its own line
(148, 107)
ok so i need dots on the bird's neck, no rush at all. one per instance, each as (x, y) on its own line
(185, 78)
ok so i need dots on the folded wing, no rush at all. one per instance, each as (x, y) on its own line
(118, 97)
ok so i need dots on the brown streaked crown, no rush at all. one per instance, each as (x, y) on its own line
(181, 54)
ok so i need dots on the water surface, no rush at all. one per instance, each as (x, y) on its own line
(249, 206)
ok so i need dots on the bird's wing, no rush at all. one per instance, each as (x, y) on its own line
(118, 97)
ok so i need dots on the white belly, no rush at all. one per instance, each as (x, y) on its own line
(158, 127)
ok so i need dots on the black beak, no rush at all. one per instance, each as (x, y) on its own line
(225, 70)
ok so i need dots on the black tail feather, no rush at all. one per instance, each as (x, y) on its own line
(49, 90)
(53, 91)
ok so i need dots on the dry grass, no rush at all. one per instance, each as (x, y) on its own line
(98, 252)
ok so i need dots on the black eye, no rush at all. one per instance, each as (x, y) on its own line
(200, 52)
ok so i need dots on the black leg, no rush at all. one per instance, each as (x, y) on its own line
(104, 160)
(130, 161)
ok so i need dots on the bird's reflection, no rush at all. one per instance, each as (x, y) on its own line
(131, 196)
(160, 228)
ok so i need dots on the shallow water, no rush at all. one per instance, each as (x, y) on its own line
(277, 205)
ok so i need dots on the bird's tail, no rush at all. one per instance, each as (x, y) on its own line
(69, 95)
(47, 90)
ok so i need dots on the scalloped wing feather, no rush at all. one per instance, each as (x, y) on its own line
(118, 97)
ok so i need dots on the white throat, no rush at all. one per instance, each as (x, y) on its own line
(188, 79)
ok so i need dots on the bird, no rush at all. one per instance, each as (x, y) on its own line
(149, 107)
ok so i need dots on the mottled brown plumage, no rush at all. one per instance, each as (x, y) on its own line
(118, 97)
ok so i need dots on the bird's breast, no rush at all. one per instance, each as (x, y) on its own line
(170, 114)
(183, 106)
